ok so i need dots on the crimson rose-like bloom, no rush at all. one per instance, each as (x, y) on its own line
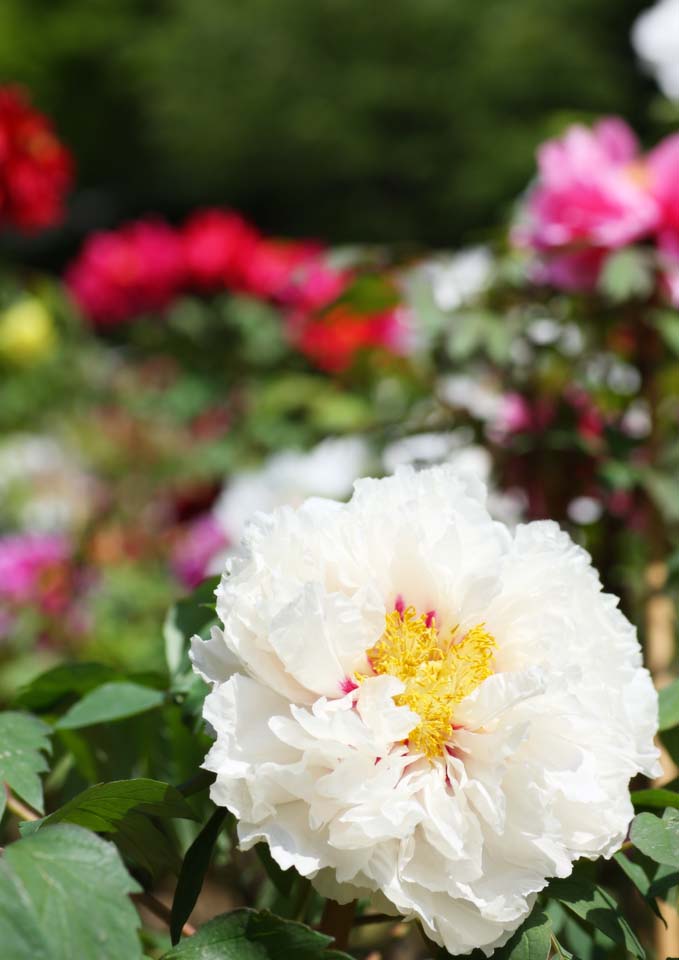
(36, 170)
(122, 273)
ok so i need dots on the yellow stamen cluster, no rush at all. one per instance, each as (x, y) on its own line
(438, 673)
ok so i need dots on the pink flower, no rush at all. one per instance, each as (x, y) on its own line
(191, 556)
(669, 257)
(218, 245)
(25, 561)
(122, 273)
(588, 189)
(273, 264)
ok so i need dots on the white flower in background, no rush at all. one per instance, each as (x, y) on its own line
(288, 478)
(459, 278)
(655, 36)
(45, 488)
(454, 447)
(407, 699)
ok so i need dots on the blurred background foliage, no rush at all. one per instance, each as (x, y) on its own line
(330, 119)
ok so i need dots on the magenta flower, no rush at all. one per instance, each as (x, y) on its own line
(590, 189)
(25, 560)
(218, 245)
(191, 557)
(122, 273)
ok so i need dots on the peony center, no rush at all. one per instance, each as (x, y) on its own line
(438, 671)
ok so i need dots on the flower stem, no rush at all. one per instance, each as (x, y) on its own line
(159, 910)
(337, 921)
(19, 808)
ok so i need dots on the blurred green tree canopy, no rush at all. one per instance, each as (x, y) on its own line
(412, 121)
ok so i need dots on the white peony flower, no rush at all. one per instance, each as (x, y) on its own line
(655, 36)
(409, 700)
(454, 447)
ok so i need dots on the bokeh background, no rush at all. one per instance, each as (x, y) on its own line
(337, 119)
(296, 248)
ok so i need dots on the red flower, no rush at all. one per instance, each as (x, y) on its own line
(333, 339)
(217, 246)
(35, 168)
(122, 273)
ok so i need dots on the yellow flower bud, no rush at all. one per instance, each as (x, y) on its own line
(27, 332)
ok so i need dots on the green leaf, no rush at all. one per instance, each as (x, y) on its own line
(657, 838)
(67, 679)
(666, 323)
(532, 941)
(669, 706)
(102, 807)
(248, 935)
(597, 907)
(110, 702)
(636, 873)
(193, 870)
(74, 890)
(655, 798)
(21, 939)
(23, 742)
(145, 847)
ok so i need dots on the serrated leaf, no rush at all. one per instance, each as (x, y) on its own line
(669, 706)
(660, 797)
(66, 679)
(75, 889)
(102, 807)
(597, 907)
(24, 741)
(657, 837)
(193, 870)
(110, 702)
(20, 937)
(249, 935)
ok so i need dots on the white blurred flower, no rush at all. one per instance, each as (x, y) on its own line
(655, 37)
(454, 447)
(407, 699)
(48, 488)
(288, 478)
(458, 279)
(584, 510)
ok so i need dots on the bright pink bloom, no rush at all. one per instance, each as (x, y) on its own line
(25, 561)
(272, 267)
(663, 175)
(218, 245)
(122, 273)
(36, 170)
(202, 541)
(316, 285)
(669, 257)
(588, 189)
